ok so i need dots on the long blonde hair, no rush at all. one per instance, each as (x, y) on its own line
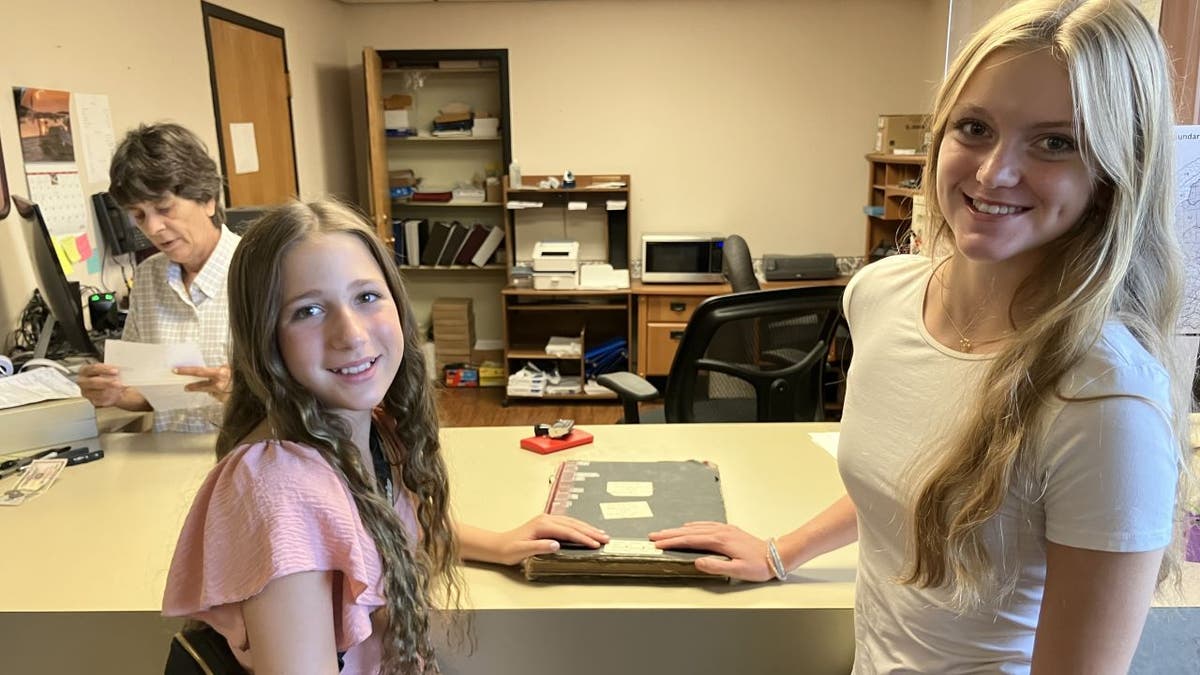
(263, 389)
(1121, 261)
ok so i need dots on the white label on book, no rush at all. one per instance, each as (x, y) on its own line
(621, 510)
(631, 547)
(586, 474)
(640, 488)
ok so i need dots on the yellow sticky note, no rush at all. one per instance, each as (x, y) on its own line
(62, 257)
(70, 247)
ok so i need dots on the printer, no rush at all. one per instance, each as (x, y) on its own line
(556, 265)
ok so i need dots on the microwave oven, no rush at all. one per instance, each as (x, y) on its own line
(682, 259)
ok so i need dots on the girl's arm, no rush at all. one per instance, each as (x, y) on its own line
(290, 626)
(540, 534)
(831, 529)
(1093, 609)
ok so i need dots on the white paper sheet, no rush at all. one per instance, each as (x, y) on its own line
(828, 440)
(621, 510)
(245, 147)
(147, 368)
(634, 488)
(1187, 220)
(31, 386)
(631, 547)
(56, 189)
(96, 130)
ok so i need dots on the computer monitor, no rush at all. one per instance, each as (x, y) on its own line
(66, 309)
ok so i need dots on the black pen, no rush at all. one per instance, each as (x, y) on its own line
(22, 461)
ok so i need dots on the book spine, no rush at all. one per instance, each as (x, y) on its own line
(560, 492)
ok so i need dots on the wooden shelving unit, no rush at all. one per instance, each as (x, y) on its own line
(428, 76)
(531, 317)
(891, 201)
(386, 72)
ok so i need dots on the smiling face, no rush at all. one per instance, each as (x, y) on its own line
(1011, 178)
(339, 328)
(181, 228)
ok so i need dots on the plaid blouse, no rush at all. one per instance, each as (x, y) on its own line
(161, 310)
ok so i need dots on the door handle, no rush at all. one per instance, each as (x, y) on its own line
(678, 306)
(676, 335)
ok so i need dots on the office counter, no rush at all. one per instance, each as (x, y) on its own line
(84, 564)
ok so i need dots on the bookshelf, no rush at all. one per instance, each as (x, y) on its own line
(433, 79)
(532, 316)
(889, 199)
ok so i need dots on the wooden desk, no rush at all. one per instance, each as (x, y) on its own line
(664, 309)
(85, 564)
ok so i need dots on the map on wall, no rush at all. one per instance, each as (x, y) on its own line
(1187, 218)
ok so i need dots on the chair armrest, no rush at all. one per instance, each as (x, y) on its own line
(628, 386)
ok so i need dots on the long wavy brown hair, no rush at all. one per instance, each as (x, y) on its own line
(264, 390)
(1122, 261)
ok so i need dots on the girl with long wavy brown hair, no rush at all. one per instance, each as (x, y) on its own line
(318, 541)
(1013, 436)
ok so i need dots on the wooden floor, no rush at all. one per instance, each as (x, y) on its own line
(482, 408)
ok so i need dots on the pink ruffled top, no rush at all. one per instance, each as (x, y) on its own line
(268, 510)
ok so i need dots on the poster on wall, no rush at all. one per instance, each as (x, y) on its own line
(95, 130)
(48, 148)
(1187, 219)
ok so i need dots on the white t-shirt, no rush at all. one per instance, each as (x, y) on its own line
(1105, 476)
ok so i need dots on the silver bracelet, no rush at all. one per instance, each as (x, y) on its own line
(774, 561)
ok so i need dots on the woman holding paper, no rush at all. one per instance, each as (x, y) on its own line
(1012, 438)
(163, 176)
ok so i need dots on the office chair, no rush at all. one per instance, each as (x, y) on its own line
(737, 265)
(778, 374)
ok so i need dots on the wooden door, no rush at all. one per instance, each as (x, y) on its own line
(1180, 28)
(252, 100)
(377, 164)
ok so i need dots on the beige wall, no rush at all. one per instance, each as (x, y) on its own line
(149, 57)
(732, 116)
(749, 117)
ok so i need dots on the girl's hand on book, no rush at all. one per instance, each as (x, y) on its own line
(543, 534)
(747, 553)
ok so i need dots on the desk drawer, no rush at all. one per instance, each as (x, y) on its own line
(674, 308)
(662, 340)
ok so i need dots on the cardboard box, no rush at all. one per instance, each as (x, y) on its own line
(461, 376)
(491, 374)
(904, 132)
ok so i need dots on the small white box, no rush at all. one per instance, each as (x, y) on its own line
(396, 119)
(486, 127)
(556, 281)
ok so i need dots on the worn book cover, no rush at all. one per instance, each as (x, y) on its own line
(629, 500)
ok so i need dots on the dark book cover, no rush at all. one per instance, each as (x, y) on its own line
(488, 248)
(432, 251)
(458, 235)
(629, 500)
(471, 245)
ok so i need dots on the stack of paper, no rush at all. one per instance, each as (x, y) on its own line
(149, 368)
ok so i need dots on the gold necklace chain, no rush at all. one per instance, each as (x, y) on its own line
(966, 344)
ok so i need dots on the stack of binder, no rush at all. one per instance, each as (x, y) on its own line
(607, 357)
(443, 244)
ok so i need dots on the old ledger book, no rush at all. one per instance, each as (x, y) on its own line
(629, 500)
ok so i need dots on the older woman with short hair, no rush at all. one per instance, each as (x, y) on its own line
(163, 176)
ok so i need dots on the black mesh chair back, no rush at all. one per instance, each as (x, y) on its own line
(737, 265)
(776, 371)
